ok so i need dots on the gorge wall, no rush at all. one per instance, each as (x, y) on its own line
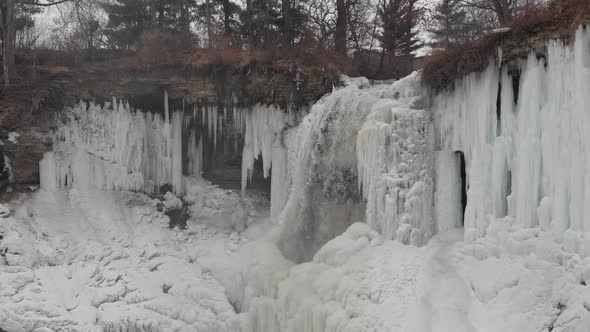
(29, 108)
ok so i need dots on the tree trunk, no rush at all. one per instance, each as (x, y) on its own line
(503, 11)
(160, 14)
(8, 42)
(340, 34)
(208, 22)
(227, 18)
(185, 25)
(287, 28)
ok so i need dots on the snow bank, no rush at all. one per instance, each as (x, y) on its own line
(529, 159)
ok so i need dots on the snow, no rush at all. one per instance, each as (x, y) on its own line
(106, 261)
(13, 137)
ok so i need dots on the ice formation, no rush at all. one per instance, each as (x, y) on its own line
(394, 153)
(262, 126)
(115, 148)
(527, 154)
(315, 166)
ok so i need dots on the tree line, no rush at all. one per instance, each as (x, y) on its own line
(392, 27)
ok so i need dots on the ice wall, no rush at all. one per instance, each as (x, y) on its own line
(113, 147)
(527, 155)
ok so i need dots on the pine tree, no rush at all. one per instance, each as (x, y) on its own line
(129, 19)
(399, 36)
(260, 23)
(450, 26)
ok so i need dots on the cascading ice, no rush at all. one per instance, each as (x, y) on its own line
(116, 148)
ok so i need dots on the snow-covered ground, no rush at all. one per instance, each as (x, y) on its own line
(107, 261)
(94, 261)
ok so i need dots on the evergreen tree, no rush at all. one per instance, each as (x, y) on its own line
(410, 41)
(129, 19)
(260, 23)
(391, 13)
(450, 26)
(230, 12)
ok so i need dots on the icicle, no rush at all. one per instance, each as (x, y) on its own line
(166, 109)
(100, 148)
(203, 115)
(263, 123)
(48, 172)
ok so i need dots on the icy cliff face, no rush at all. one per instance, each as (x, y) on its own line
(527, 153)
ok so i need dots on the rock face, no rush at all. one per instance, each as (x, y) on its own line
(27, 113)
(29, 108)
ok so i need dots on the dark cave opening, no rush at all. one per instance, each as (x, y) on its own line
(461, 156)
(222, 164)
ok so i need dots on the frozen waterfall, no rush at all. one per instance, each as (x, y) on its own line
(527, 155)
(115, 148)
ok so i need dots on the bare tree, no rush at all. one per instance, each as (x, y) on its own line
(503, 10)
(341, 26)
(8, 40)
(8, 31)
(321, 17)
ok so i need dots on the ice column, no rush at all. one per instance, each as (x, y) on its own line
(115, 148)
(263, 124)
